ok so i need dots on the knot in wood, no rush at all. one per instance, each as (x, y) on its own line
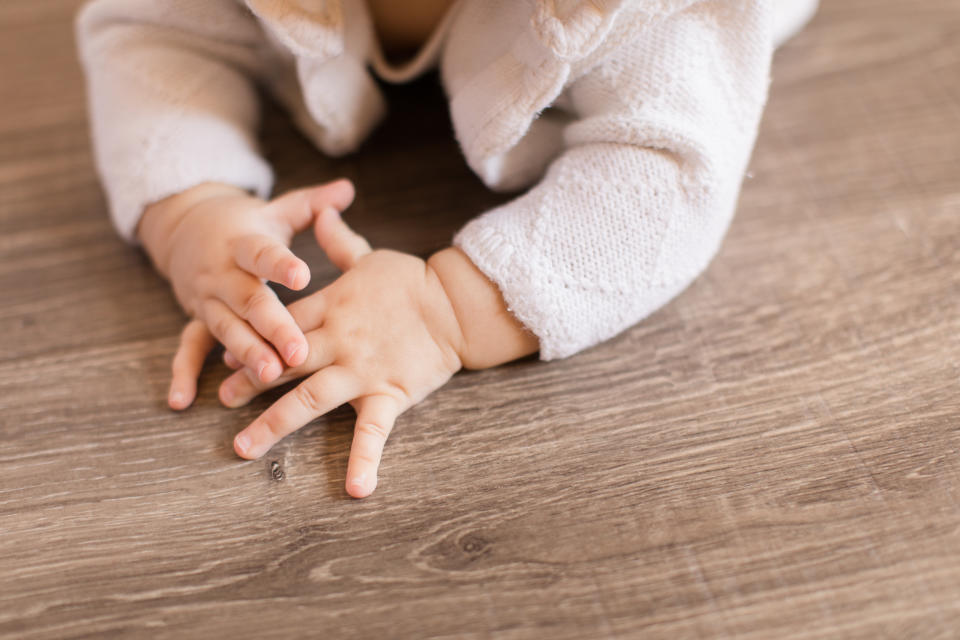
(473, 544)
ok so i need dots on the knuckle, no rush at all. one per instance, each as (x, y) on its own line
(278, 256)
(378, 431)
(252, 302)
(261, 254)
(398, 391)
(251, 354)
(365, 457)
(310, 398)
(273, 424)
(278, 330)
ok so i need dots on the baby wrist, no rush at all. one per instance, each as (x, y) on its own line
(491, 335)
(160, 219)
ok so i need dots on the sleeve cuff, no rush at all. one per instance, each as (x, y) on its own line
(215, 153)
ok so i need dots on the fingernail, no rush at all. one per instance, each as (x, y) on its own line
(359, 483)
(226, 394)
(242, 443)
(292, 350)
(268, 371)
(176, 398)
(292, 276)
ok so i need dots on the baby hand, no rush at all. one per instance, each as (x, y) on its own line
(215, 251)
(382, 337)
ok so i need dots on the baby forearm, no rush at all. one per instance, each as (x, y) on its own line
(491, 334)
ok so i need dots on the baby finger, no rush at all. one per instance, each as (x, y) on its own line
(375, 418)
(258, 305)
(298, 208)
(317, 395)
(265, 257)
(195, 343)
(243, 386)
(231, 361)
(238, 338)
(343, 245)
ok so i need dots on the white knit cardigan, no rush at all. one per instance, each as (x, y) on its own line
(633, 120)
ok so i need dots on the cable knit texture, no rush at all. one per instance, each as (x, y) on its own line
(632, 122)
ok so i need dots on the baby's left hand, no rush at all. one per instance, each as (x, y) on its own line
(382, 337)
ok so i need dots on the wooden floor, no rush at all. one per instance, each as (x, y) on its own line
(776, 454)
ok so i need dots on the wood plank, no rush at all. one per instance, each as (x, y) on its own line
(773, 454)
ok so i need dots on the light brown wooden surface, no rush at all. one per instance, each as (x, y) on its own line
(772, 455)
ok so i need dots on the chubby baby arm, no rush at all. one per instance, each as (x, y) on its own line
(217, 245)
(173, 98)
(382, 337)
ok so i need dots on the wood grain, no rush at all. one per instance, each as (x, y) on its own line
(772, 455)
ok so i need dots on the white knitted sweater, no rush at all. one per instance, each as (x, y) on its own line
(633, 120)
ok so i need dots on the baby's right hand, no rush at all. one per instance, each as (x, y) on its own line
(215, 244)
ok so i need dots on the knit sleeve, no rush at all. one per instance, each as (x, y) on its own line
(172, 99)
(638, 201)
